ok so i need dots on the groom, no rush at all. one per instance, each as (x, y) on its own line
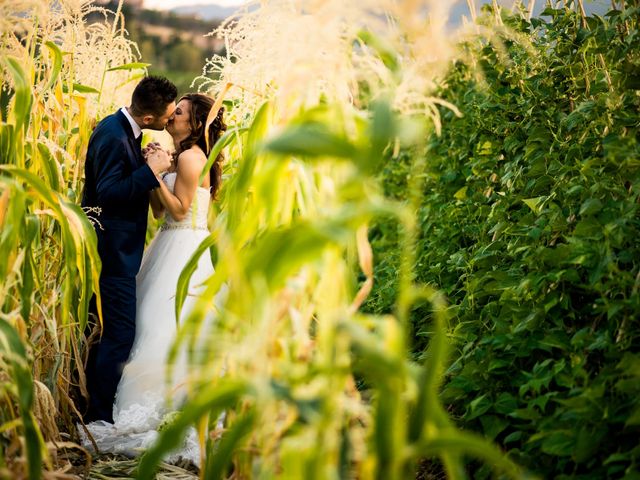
(116, 197)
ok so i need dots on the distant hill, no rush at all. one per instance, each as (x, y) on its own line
(217, 12)
(205, 12)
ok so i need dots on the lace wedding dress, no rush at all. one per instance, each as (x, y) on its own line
(141, 399)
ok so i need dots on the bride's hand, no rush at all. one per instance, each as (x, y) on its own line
(153, 151)
(150, 148)
(158, 160)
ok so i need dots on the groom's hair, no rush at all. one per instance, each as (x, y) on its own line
(152, 95)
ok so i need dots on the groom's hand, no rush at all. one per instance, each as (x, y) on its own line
(151, 147)
(158, 161)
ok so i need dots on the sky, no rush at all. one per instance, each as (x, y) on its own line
(168, 4)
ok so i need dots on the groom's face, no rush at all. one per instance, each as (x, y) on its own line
(159, 123)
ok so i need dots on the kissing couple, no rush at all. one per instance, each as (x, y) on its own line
(126, 367)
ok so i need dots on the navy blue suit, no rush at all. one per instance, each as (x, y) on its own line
(118, 181)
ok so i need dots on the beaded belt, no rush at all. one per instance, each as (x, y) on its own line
(181, 226)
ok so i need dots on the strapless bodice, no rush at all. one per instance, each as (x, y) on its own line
(199, 207)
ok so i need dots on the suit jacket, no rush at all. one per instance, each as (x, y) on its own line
(118, 181)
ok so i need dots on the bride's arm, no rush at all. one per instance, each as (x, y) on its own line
(156, 205)
(178, 203)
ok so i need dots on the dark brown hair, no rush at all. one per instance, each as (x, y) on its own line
(200, 108)
(152, 95)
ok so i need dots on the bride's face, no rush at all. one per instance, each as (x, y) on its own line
(179, 123)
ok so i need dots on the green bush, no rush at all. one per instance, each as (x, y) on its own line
(531, 225)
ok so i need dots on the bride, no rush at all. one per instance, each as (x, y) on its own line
(141, 399)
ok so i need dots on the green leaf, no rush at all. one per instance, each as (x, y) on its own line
(308, 409)
(560, 443)
(455, 441)
(130, 66)
(461, 194)
(32, 229)
(213, 398)
(22, 98)
(589, 442)
(8, 142)
(498, 364)
(535, 204)
(51, 167)
(77, 87)
(484, 148)
(634, 417)
(311, 140)
(588, 228)
(372, 359)
(505, 403)
(617, 457)
(222, 142)
(303, 242)
(524, 414)
(57, 64)
(221, 454)
(78, 236)
(513, 437)
(590, 207)
(239, 185)
(382, 131)
(493, 425)
(14, 353)
(182, 289)
(384, 50)
(478, 406)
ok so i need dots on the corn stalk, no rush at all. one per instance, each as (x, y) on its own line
(50, 266)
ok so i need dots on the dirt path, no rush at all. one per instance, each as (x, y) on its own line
(108, 467)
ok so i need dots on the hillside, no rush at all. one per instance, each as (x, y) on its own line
(176, 44)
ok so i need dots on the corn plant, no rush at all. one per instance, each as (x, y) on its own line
(50, 99)
(311, 387)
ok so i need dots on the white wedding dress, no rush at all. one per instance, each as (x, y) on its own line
(141, 399)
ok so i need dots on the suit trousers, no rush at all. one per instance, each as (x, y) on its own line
(108, 356)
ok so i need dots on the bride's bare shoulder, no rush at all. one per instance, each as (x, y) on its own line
(192, 155)
(191, 160)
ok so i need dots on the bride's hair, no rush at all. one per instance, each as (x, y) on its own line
(200, 108)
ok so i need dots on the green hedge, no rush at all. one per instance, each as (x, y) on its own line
(531, 225)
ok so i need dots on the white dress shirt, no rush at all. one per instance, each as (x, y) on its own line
(137, 131)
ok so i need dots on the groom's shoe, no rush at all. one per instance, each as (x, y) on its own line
(99, 408)
(93, 415)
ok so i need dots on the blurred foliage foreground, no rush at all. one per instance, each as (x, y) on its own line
(524, 213)
(284, 354)
(530, 224)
